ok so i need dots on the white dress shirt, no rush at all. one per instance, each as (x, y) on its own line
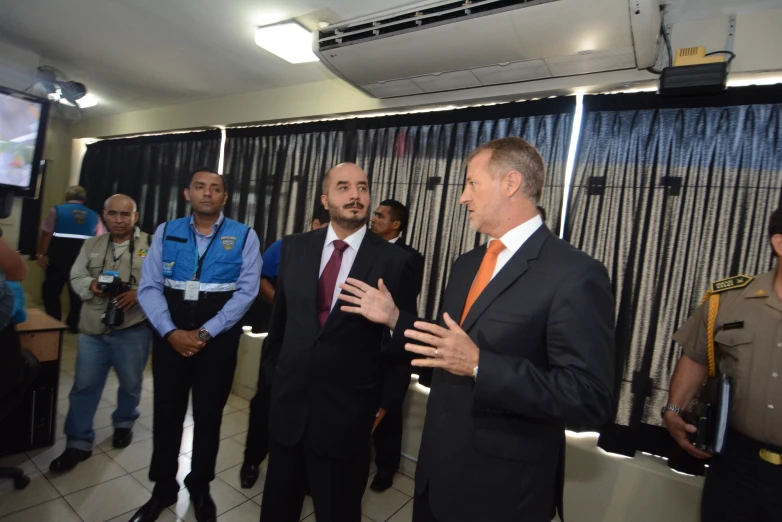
(514, 239)
(394, 240)
(348, 256)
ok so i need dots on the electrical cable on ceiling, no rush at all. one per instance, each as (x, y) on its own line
(731, 53)
(667, 47)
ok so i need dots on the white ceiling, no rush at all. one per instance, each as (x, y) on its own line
(152, 53)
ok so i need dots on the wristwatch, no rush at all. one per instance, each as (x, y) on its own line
(670, 407)
(204, 334)
(475, 374)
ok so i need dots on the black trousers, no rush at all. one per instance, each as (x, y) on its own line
(388, 441)
(740, 486)
(422, 511)
(257, 444)
(209, 374)
(62, 254)
(336, 485)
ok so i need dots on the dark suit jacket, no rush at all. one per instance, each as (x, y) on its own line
(493, 449)
(327, 382)
(396, 380)
(417, 261)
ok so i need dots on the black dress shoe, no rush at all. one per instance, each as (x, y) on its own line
(122, 437)
(382, 481)
(204, 507)
(248, 475)
(69, 459)
(150, 511)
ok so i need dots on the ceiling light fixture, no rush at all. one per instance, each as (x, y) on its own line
(289, 41)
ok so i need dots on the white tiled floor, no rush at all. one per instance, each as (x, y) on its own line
(121, 475)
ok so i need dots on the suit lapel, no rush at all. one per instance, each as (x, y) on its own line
(365, 257)
(515, 268)
(311, 268)
(459, 284)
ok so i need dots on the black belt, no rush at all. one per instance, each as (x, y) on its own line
(740, 444)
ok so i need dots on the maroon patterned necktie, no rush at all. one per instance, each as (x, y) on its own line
(328, 280)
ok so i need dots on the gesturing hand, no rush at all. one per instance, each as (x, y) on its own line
(448, 348)
(376, 304)
(679, 430)
(186, 342)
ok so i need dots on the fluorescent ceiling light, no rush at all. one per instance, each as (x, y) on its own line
(289, 41)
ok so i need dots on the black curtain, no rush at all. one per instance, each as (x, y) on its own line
(671, 194)
(153, 170)
(417, 159)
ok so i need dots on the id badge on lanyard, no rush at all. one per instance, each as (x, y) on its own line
(191, 290)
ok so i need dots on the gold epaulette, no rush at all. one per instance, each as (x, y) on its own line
(713, 297)
(731, 283)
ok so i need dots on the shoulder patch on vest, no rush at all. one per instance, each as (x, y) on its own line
(731, 283)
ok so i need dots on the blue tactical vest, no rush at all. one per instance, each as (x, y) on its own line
(220, 270)
(223, 260)
(74, 219)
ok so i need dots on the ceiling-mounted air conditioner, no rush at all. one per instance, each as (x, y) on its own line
(462, 44)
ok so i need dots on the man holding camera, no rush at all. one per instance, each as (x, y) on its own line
(742, 317)
(113, 330)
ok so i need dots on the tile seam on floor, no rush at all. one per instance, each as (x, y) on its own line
(59, 495)
(400, 509)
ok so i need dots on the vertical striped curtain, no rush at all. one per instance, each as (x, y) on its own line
(154, 170)
(419, 161)
(671, 195)
(274, 174)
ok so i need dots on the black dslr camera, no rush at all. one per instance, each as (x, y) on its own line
(112, 284)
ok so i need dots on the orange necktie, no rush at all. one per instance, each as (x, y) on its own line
(483, 276)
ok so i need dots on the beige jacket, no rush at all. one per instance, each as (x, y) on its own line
(95, 257)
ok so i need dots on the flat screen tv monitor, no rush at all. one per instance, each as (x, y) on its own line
(23, 119)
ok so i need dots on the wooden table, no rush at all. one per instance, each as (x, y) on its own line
(41, 334)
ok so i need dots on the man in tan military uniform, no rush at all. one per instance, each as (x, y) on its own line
(744, 483)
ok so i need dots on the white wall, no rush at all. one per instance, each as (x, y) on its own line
(18, 67)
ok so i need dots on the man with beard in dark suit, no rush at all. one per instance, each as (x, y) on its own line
(327, 367)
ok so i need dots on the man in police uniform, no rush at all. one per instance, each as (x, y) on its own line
(201, 276)
(63, 232)
(103, 343)
(744, 482)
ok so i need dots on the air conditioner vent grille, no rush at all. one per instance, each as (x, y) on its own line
(447, 12)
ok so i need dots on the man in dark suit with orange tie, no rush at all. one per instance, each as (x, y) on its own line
(525, 346)
(327, 367)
